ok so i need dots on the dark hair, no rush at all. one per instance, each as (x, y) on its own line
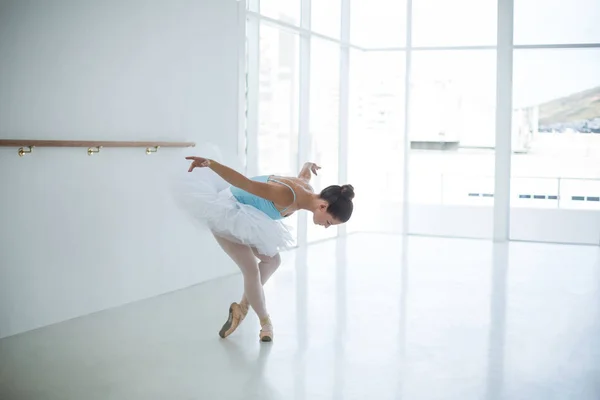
(340, 201)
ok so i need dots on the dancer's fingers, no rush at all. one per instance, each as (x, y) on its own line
(192, 166)
(199, 162)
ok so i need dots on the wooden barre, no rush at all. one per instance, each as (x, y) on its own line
(93, 146)
(88, 143)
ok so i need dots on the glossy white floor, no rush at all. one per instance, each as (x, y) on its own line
(369, 317)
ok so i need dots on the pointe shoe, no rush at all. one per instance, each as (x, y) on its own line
(236, 316)
(266, 333)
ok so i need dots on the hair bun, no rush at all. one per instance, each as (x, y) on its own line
(348, 191)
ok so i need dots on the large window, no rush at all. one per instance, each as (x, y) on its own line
(555, 173)
(324, 122)
(326, 17)
(285, 10)
(378, 23)
(556, 145)
(376, 126)
(454, 23)
(452, 139)
(556, 22)
(278, 94)
(408, 112)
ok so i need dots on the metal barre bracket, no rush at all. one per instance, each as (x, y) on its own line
(91, 150)
(22, 151)
(150, 150)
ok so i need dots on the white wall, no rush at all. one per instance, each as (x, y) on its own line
(80, 234)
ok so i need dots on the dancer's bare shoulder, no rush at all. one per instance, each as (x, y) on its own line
(299, 185)
(302, 189)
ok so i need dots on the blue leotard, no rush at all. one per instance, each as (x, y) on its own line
(259, 203)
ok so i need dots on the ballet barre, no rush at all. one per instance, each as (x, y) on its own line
(93, 147)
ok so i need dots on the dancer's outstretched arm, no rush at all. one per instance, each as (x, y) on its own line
(276, 193)
(307, 170)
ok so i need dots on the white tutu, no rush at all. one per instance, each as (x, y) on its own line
(207, 199)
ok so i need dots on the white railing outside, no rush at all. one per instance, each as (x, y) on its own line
(534, 192)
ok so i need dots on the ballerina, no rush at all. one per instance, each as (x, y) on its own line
(245, 216)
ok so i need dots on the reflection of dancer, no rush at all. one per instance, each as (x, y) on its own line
(244, 215)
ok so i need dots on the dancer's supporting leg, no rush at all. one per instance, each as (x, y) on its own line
(267, 267)
(243, 256)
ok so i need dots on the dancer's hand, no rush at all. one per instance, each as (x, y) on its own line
(307, 168)
(198, 162)
(314, 168)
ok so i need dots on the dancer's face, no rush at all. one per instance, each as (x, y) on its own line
(323, 218)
